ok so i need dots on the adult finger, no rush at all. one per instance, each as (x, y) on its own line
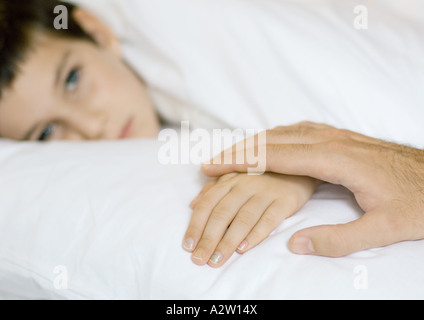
(329, 161)
(374, 229)
(301, 133)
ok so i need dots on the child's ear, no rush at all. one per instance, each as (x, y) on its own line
(98, 30)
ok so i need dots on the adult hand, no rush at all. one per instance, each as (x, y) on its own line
(387, 180)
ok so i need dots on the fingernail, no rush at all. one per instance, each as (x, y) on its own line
(216, 258)
(302, 245)
(188, 244)
(199, 254)
(243, 245)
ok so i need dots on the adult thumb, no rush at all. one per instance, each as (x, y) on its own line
(370, 231)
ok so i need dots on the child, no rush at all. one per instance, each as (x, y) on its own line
(66, 84)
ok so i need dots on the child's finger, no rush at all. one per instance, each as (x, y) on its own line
(209, 185)
(220, 218)
(247, 217)
(201, 213)
(273, 217)
(205, 189)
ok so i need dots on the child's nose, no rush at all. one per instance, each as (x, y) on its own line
(90, 125)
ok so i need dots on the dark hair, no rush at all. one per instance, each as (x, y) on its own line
(18, 20)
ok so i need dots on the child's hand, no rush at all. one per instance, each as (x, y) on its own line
(238, 211)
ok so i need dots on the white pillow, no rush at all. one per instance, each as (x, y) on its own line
(258, 64)
(105, 220)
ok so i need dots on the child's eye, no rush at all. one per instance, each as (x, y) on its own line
(47, 133)
(72, 80)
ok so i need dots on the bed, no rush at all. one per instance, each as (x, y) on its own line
(105, 220)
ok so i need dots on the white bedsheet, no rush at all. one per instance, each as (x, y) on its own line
(113, 218)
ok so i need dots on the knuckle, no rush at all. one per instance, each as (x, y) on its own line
(220, 213)
(269, 221)
(207, 242)
(336, 133)
(247, 217)
(201, 207)
(306, 124)
(298, 129)
(273, 135)
(278, 128)
(337, 146)
(331, 133)
(345, 133)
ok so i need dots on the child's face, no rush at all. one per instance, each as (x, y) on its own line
(76, 90)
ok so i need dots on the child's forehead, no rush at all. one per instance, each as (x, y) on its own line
(42, 52)
(40, 39)
(46, 52)
(39, 63)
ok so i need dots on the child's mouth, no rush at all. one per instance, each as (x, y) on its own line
(126, 131)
